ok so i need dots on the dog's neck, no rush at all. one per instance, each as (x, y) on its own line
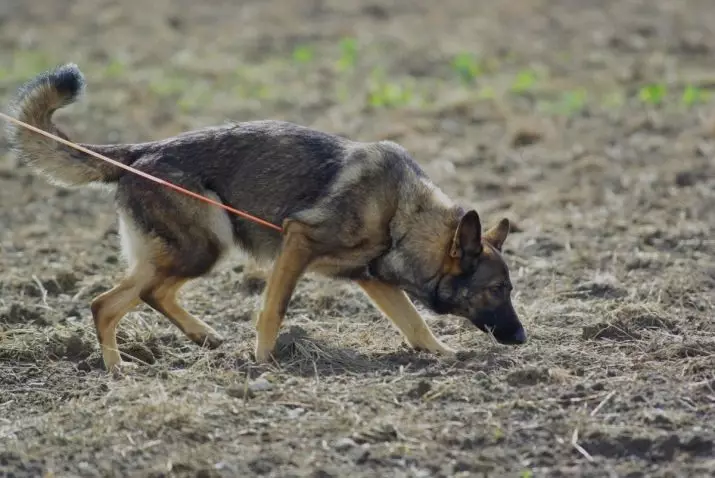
(421, 232)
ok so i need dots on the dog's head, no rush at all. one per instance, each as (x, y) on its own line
(474, 281)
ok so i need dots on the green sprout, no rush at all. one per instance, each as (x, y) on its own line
(467, 67)
(524, 81)
(348, 53)
(115, 69)
(303, 54)
(386, 94)
(653, 94)
(692, 95)
(572, 102)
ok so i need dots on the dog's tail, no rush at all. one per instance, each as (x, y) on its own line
(34, 104)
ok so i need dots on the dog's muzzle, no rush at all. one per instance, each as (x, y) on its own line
(503, 324)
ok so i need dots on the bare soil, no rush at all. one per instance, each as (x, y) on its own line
(613, 256)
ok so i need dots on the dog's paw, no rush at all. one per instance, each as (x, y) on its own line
(122, 368)
(262, 355)
(445, 352)
(436, 347)
(209, 339)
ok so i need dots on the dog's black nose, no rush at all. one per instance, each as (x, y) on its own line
(517, 337)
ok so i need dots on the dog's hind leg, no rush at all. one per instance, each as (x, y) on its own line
(163, 299)
(394, 303)
(168, 239)
(108, 309)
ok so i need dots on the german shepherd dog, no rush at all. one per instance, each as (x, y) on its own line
(364, 212)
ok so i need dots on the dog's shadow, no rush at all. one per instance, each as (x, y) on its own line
(298, 353)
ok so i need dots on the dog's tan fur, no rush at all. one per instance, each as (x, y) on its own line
(364, 212)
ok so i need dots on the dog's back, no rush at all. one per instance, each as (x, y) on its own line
(271, 169)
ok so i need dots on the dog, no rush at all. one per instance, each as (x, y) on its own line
(365, 212)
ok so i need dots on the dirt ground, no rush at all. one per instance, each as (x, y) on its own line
(585, 122)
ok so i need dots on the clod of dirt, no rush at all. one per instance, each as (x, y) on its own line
(659, 449)
(91, 363)
(63, 283)
(73, 346)
(288, 338)
(526, 137)
(139, 352)
(534, 375)
(319, 473)
(240, 391)
(379, 434)
(693, 44)
(18, 313)
(421, 389)
(599, 443)
(175, 22)
(660, 419)
(252, 284)
(376, 11)
(686, 178)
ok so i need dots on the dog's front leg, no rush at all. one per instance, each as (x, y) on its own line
(295, 256)
(394, 303)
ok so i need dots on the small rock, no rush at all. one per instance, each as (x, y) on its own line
(295, 413)
(240, 391)
(344, 444)
(260, 385)
(684, 179)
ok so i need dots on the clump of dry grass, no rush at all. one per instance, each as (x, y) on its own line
(33, 345)
(299, 352)
(631, 322)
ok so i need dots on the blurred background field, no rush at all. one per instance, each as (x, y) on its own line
(590, 124)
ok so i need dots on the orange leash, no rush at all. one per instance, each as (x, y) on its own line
(116, 163)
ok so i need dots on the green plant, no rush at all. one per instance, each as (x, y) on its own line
(383, 93)
(348, 53)
(693, 95)
(653, 94)
(467, 67)
(571, 102)
(114, 69)
(524, 81)
(303, 54)
(498, 434)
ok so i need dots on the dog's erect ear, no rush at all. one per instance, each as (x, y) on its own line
(497, 234)
(468, 236)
